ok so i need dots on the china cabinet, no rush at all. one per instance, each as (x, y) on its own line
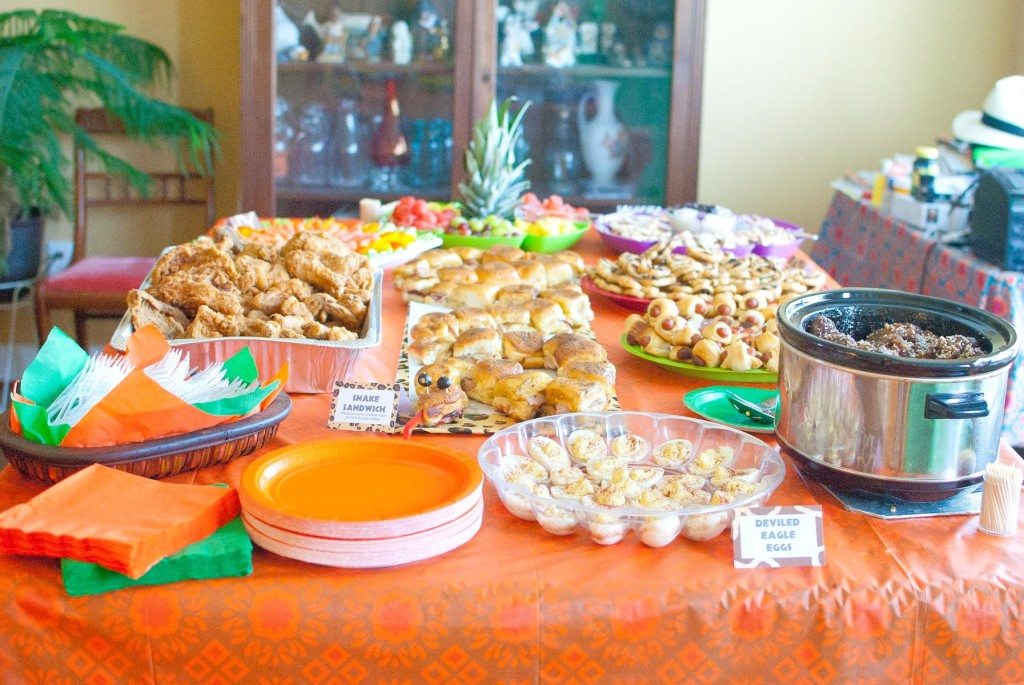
(348, 98)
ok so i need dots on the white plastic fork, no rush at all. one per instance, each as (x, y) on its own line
(98, 377)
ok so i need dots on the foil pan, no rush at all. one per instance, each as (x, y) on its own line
(313, 365)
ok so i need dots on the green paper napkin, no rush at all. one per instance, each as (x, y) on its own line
(226, 553)
(56, 364)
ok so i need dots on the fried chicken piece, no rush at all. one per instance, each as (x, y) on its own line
(259, 325)
(190, 289)
(256, 274)
(332, 273)
(201, 254)
(318, 331)
(348, 310)
(293, 306)
(311, 242)
(270, 302)
(209, 323)
(327, 264)
(146, 309)
(267, 253)
(291, 326)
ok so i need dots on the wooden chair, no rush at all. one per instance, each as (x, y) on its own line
(95, 287)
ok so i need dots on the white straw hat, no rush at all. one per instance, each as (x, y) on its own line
(1001, 121)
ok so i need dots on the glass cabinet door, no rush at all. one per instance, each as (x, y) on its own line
(599, 76)
(363, 102)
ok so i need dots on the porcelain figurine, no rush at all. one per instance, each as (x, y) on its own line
(603, 138)
(514, 43)
(310, 36)
(607, 40)
(587, 48)
(425, 37)
(334, 36)
(443, 47)
(560, 37)
(401, 43)
(376, 36)
(286, 38)
(528, 9)
(619, 56)
(659, 48)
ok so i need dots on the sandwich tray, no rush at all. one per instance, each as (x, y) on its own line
(479, 418)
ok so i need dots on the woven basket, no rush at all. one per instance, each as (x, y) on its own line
(154, 458)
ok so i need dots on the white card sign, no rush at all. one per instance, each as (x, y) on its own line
(778, 536)
(368, 407)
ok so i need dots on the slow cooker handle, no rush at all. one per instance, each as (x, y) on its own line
(965, 405)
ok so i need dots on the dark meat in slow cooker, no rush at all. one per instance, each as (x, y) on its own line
(901, 340)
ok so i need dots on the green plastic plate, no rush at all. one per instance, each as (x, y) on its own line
(480, 241)
(555, 243)
(712, 404)
(722, 375)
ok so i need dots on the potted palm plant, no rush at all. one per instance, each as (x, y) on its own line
(52, 62)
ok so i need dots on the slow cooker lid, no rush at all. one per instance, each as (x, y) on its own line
(858, 311)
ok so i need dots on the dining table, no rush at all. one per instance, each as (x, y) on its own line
(917, 600)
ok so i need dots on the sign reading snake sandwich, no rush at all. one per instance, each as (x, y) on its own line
(773, 537)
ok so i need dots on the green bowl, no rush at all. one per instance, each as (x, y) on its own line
(480, 241)
(555, 243)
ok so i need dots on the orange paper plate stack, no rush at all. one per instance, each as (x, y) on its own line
(361, 503)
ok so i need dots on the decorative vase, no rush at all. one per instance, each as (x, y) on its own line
(388, 146)
(389, 149)
(602, 135)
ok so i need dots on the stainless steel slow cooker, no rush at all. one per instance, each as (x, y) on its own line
(917, 429)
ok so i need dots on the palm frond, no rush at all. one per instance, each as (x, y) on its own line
(52, 58)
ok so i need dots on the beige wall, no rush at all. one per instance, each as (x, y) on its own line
(798, 91)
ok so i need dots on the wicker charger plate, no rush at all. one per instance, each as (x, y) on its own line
(153, 458)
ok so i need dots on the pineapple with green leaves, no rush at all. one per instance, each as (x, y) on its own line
(495, 181)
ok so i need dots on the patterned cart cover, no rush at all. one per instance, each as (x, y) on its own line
(860, 246)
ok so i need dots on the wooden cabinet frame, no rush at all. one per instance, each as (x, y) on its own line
(474, 76)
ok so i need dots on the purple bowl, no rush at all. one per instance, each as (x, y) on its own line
(778, 251)
(622, 244)
(787, 225)
(740, 250)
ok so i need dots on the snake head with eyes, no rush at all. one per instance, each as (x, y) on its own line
(439, 394)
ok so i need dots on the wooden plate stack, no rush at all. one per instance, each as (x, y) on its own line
(361, 503)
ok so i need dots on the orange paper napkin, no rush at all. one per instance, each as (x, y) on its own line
(122, 522)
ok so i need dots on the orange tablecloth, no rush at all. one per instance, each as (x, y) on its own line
(919, 600)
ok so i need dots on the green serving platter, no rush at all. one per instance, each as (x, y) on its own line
(722, 375)
(555, 243)
(481, 242)
(712, 404)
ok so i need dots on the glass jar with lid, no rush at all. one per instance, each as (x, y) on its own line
(924, 173)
